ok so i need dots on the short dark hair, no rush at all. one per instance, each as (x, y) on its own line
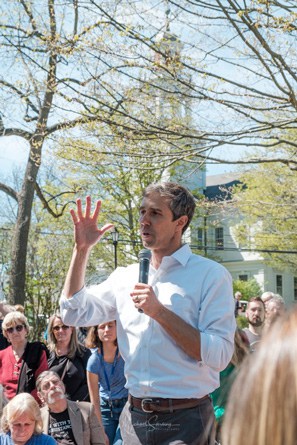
(255, 299)
(180, 200)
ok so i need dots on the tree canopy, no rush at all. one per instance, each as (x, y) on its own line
(267, 201)
(192, 81)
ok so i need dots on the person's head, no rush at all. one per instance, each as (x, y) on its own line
(20, 308)
(275, 307)
(266, 296)
(22, 418)
(165, 213)
(50, 387)
(15, 326)
(59, 333)
(255, 311)
(262, 405)
(104, 332)
(241, 347)
(238, 295)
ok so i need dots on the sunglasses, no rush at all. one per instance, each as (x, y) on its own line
(63, 327)
(18, 328)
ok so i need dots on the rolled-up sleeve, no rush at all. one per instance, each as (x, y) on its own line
(217, 321)
(89, 307)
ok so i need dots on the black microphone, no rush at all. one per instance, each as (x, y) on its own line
(144, 257)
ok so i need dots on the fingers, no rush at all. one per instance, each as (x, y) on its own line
(73, 216)
(79, 208)
(80, 215)
(97, 209)
(88, 207)
(106, 228)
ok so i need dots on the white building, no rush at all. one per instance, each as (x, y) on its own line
(219, 241)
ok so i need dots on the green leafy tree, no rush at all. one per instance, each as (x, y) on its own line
(66, 64)
(248, 289)
(267, 201)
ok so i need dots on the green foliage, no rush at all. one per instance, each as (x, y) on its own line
(248, 289)
(242, 321)
(268, 204)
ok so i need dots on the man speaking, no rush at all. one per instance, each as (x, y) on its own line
(176, 346)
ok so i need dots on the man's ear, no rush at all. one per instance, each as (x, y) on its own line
(182, 221)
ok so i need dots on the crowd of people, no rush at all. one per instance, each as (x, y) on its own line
(159, 362)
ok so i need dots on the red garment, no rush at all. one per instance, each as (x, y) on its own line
(10, 371)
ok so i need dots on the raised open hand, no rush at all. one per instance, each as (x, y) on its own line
(86, 230)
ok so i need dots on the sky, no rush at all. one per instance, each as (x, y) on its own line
(14, 153)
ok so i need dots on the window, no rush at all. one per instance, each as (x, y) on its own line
(219, 238)
(279, 284)
(295, 288)
(200, 237)
(243, 277)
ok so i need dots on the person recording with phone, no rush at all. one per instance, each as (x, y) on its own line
(183, 337)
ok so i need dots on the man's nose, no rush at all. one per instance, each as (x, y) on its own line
(144, 219)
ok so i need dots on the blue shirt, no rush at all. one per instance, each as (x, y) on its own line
(116, 378)
(36, 439)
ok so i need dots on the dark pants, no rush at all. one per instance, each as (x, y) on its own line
(191, 426)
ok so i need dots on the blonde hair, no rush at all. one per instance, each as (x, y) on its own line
(74, 346)
(21, 404)
(20, 308)
(12, 319)
(262, 404)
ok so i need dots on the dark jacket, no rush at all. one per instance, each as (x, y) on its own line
(31, 361)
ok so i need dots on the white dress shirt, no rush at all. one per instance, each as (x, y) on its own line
(197, 289)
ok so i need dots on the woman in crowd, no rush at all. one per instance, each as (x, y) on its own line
(21, 423)
(262, 406)
(68, 358)
(106, 369)
(22, 361)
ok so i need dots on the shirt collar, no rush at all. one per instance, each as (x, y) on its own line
(183, 254)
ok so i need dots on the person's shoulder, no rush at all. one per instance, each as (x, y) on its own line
(94, 358)
(44, 409)
(43, 439)
(41, 346)
(5, 439)
(86, 408)
(208, 263)
(85, 351)
(82, 406)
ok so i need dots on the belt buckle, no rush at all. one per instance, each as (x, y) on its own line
(143, 401)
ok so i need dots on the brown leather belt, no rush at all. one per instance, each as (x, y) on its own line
(150, 405)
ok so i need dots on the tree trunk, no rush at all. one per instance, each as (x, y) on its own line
(22, 228)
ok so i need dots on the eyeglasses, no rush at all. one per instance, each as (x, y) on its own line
(63, 327)
(18, 328)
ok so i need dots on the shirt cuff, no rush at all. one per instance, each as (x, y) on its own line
(73, 302)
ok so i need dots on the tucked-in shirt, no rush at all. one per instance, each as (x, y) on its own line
(36, 439)
(195, 288)
(114, 373)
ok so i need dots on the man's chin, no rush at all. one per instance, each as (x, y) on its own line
(55, 397)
